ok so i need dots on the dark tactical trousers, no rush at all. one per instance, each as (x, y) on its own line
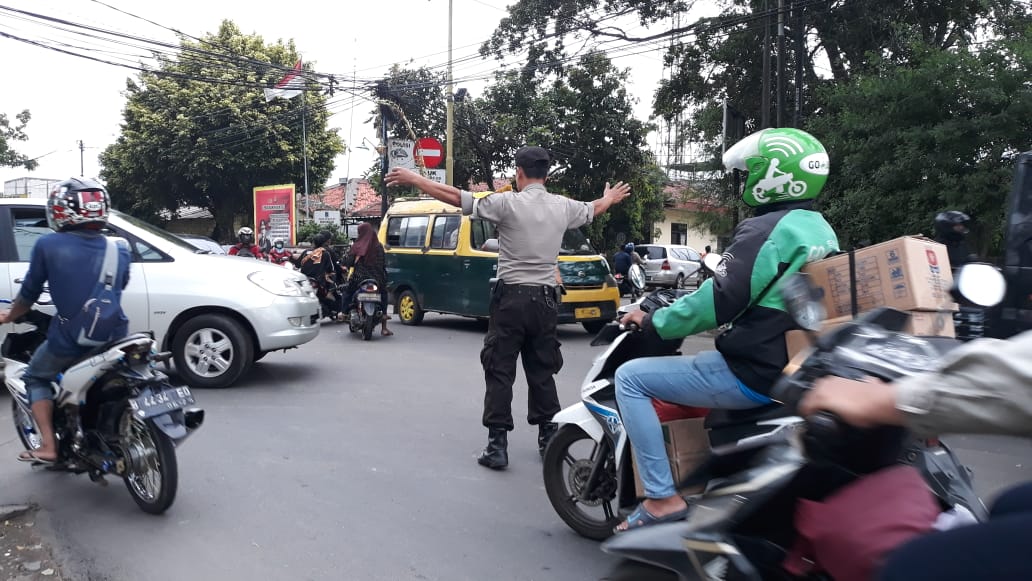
(523, 320)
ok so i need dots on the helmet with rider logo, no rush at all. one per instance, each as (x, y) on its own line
(245, 235)
(77, 203)
(784, 164)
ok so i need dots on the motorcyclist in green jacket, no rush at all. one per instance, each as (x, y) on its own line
(787, 169)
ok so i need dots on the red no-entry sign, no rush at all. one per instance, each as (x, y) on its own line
(431, 151)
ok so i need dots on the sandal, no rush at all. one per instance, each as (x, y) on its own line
(643, 518)
(30, 456)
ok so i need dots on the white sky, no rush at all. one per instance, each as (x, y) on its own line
(74, 99)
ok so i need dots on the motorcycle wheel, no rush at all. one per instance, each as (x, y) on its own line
(28, 431)
(367, 327)
(567, 465)
(151, 471)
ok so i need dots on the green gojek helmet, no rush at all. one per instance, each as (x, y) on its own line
(784, 164)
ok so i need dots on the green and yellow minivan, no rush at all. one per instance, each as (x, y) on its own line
(441, 261)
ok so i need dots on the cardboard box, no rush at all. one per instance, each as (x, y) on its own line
(906, 273)
(922, 323)
(687, 446)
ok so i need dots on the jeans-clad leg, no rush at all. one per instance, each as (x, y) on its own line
(703, 380)
(44, 367)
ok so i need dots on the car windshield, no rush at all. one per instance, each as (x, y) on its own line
(575, 243)
(156, 231)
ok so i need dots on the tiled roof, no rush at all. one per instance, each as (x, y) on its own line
(680, 196)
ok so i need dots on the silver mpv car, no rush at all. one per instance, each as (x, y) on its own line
(670, 265)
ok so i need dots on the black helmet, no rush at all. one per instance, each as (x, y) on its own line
(951, 223)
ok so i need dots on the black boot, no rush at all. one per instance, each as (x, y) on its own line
(545, 433)
(496, 454)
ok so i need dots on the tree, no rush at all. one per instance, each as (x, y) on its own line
(945, 135)
(198, 131)
(8, 156)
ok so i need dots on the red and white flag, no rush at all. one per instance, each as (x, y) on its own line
(292, 85)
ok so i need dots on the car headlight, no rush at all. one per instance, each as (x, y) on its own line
(276, 284)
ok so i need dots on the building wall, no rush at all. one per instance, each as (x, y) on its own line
(696, 238)
(28, 187)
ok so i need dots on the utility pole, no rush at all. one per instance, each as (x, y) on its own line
(449, 160)
(800, 50)
(780, 88)
(82, 148)
(765, 91)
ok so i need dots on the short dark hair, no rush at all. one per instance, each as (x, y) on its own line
(534, 161)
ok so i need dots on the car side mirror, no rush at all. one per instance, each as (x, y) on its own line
(490, 245)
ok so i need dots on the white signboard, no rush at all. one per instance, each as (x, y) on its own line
(438, 175)
(326, 217)
(400, 153)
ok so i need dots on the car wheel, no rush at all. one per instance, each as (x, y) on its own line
(212, 351)
(408, 309)
(679, 283)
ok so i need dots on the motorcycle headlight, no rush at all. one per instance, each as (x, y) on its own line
(277, 285)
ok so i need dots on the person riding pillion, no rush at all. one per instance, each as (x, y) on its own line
(79, 264)
(787, 169)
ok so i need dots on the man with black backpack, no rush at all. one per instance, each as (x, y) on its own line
(86, 272)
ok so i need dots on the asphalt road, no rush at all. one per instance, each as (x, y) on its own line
(347, 459)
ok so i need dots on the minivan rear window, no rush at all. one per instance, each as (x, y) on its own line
(652, 252)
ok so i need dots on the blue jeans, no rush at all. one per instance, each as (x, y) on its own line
(43, 369)
(703, 380)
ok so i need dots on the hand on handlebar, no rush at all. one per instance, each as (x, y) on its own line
(633, 320)
(861, 403)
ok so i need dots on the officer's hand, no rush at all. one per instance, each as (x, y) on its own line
(636, 317)
(402, 177)
(616, 194)
(4, 316)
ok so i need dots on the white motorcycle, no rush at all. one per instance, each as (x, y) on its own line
(114, 412)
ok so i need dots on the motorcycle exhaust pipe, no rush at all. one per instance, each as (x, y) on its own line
(193, 418)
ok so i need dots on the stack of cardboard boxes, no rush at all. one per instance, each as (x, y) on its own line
(910, 273)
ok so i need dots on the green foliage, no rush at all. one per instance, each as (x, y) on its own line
(940, 134)
(189, 141)
(585, 117)
(306, 230)
(8, 156)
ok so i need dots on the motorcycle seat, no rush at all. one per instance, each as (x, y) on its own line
(723, 418)
(102, 348)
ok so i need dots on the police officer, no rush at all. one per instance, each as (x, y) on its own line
(530, 224)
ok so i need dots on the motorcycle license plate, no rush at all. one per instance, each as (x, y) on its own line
(162, 402)
(372, 297)
(587, 313)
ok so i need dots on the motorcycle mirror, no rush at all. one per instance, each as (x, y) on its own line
(490, 245)
(636, 276)
(803, 301)
(979, 283)
(712, 260)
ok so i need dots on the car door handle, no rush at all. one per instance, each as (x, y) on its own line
(19, 280)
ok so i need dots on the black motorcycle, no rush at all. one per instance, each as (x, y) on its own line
(366, 310)
(743, 524)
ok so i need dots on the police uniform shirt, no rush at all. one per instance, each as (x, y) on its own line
(530, 226)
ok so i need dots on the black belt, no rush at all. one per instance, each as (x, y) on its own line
(527, 289)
